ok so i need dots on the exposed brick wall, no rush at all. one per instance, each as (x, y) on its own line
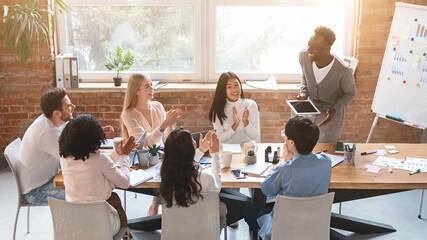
(21, 89)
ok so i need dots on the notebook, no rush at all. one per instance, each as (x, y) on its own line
(256, 169)
(334, 159)
(139, 176)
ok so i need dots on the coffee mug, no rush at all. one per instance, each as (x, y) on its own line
(227, 156)
(250, 146)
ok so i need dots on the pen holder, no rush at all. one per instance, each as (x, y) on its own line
(349, 157)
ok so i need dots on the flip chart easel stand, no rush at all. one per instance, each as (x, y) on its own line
(423, 139)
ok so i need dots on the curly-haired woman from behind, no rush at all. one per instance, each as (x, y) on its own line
(90, 174)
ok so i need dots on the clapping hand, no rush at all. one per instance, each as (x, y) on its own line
(127, 146)
(171, 117)
(213, 143)
(204, 141)
(236, 119)
(245, 117)
(108, 130)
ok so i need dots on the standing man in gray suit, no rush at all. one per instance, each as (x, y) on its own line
(327, 82)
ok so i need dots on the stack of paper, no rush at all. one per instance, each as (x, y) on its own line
(139, 176)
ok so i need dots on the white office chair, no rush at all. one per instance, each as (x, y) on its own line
(302, 218)
(198, 221)
(11, 154)
(82, 220)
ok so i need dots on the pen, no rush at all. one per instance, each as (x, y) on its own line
(416, 171)
(370, 152)
(389, 169)
(322, 151)
(403, 160)
(203, 168)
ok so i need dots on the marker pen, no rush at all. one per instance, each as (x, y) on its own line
(416, 171)
(389, 169)
(370, 152)
(404, 159)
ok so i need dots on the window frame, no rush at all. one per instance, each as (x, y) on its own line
(204, 23)
(286, 78)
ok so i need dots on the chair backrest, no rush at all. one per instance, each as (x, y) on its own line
(198, 221)
(302, 218)
(80, 220)
(11, 154)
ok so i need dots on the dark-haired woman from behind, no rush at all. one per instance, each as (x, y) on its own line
(90, 174)
(235, 119)
(183, 181)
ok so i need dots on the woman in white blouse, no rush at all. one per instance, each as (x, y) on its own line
(90, 174)
(235, 119)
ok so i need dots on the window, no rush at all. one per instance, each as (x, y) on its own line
(174, 41)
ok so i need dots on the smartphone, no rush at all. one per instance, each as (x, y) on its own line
(238, 174)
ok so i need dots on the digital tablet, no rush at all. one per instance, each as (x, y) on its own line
(303, 107)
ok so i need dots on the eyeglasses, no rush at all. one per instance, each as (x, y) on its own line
(283, 133)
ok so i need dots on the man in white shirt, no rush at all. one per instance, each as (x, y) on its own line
(40, 149)
(327, 82)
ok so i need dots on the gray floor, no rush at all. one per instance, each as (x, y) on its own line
(399, 210)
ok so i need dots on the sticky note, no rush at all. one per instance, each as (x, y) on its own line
(388, 147)
(406, 32)
(393, 151)
(417, 59)
(395, 40)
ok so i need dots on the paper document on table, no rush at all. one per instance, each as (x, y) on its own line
(410, 164)
(234, 148)
(372, 168)
(270, 83)
(334, 159)
(155, 171)
(139, 176)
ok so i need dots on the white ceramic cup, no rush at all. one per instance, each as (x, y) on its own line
(227, 156)
(117, 141)
(250, 146)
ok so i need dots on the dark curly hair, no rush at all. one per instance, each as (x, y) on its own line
(303, 132)
(179, 172)
(82, 135)
(51, 100)
(327, 34)
(218, 104)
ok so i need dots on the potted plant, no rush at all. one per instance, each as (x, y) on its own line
(250, 157)
(26, 23)
(153, 156)
(116, 60)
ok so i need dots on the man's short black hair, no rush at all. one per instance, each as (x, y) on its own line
(51, 100)
(326, 33)
(303, 132)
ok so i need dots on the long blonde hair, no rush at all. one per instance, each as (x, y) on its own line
(134, 83)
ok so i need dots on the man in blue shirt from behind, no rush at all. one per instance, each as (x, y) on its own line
(302, 174)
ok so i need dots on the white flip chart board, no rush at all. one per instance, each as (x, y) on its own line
(402, 84)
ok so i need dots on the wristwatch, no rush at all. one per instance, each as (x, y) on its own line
(161, 129)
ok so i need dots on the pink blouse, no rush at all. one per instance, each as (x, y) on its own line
(136, 123)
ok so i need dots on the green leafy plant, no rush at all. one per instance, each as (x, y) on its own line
(153, 150)
(251, 153)
(22, 22)
(116, 60)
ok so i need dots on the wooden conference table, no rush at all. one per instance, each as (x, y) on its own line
(347, 181)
